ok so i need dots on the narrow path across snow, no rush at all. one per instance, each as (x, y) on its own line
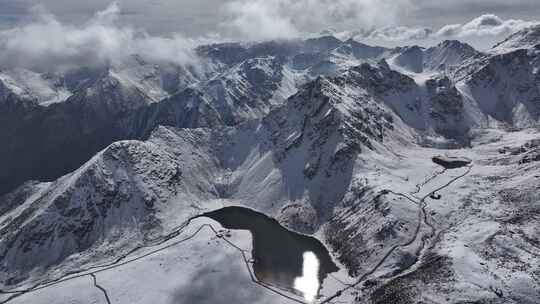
(422, 220)
(120, 261)
(100, 288)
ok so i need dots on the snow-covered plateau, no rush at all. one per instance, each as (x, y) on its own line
(418, 169)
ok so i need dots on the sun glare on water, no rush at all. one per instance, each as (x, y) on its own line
(308, 283)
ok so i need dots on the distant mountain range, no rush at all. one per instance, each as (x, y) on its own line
(94, 161)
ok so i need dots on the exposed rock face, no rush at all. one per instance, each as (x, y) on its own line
(447, 110)
(249, 90)
(124, 193)
(505, 87)
(411, 59)
(46, 142)
(115, 201)
(524, 39)
(434, 107)
(328, 137)
(443, 58)
(234, 83)
(448, 54)
(113, 108)
(527, 153)
(380, 80)
(360, 50)
(435, 271)
(382, 221)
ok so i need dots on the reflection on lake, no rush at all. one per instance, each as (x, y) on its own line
(308, 283)
(282, 258)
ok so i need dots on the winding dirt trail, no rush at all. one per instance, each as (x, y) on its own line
(100, 288)
(423, 219)
(92, 271)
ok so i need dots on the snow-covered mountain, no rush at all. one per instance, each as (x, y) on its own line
(127, 100)
(332, 138)
(524, 39)
(42, 142)
(249, 89)
(41, 88)
(448, 54)
(504, 83)
(443, 57)
(311, 142)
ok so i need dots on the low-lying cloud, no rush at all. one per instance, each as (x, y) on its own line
(46, 44)
(378, 21)
(365, 19)
(273, 19)
(487, 25)
(400, 33)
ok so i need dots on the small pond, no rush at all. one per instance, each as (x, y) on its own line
(281, 258)
(451, 162)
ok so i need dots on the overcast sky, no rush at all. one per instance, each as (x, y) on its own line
(198, 17)
(37, 32)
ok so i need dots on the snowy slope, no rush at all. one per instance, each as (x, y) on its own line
(410, 59)
(324, 135)
(119, 198)
(250, 89)
(504, 84)
(429, 104)
(448, 54)
(442, 58)
(296, 154)
(524, 39)
(306, 164)
(43, 88)
(119, 103)
(46, 142)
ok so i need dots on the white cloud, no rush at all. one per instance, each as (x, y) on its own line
(376, 20)
(271, 19)
(400, 33)
(259, 20)
(485, 25)
(45, 43)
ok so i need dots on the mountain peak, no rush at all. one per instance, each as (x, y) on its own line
(448, 53)
(524, 39)
(410, 58)
(360, 50)
(322, 43)
(454, 44)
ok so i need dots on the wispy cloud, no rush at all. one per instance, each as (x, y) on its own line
(377, 20)
(45, 43)
(271, 19)
(400, 33)
(485, 25)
